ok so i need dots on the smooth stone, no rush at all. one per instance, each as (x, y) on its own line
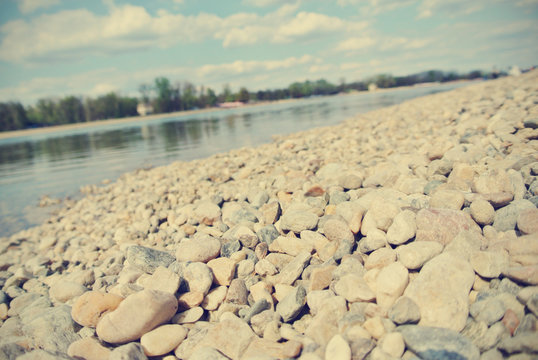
(376, 239)
(237, 292)
(264, 348)
(290, 307)
(41, 354)
(163, 279)
(162, 339)
(268, 233)
(442, 225)
(89, 308)
(198, 277)
(219, 337)
(403, 228)
(130, 351)
(223, 270)
(525, 274)
(52, 329)
(207, 353)
(292, 270)
(321, 277)
(361, 348)
(492, 181)
(201, 249)
(191, 315)
(447, 199)
(88, 349)
(375, 327)
(337, 349)
(506, 217)
(297, 221)
(11, 351)
(264, 268)
(489, 264)
(392, 344)
(147, 259)
(441, 291)
(431, 343)
(214, 298)
(489, 310)
(524, 342)
(136, 315)
(482, 212)
(527, 221)
(337, 230)
(380, 258)
(190, 299)
(63, 291)
(416, 254)
(230, 247)
(390, 284)
(404, 311)
(353, 288)
(207, 212)
(290, 245)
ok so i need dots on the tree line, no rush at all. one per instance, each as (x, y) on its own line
(162, 96)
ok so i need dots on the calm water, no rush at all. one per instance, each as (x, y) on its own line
(57, 164)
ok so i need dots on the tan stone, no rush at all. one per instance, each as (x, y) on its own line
(188, 316)
(91, 306)
(223, 270)
(136, 315)
(279, 350)
(214, 298)
(527, 221)
(88, 349)
(163, 279)
(375, 327)
(162, 339)
(337, 349)
(190, 299)
(390, 284)
(220, 335)
(353, 288)
(380, 258)
(321, 277)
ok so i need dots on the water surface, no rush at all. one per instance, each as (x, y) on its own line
(58, 163)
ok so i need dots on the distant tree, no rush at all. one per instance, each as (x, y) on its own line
(69, 110)
(189, 96)
(145, 92)
(211, 97)
(12, 116)
(243, 95)
(163, 102)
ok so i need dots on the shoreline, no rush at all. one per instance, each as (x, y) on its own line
(136, 119)
(404, 231)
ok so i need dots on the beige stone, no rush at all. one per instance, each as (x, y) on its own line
(188, 316)
(136, 315)
(272, 349)
(337, 349)
(190, 299)
(320, 277)
(380, 258)
(92, 306)
(353, 288)
(214, 298)
(231, 327)
(375, 327)
(162, 339)
(200, 249)
(88, 349)
(223, 270)
(163, 279)
(390, 284)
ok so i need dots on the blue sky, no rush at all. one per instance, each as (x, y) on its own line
(51, 48)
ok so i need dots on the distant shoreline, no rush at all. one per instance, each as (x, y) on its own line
(135, 119)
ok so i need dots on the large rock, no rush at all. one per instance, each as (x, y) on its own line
(417, 253)
(136, 315)
(442, 225)
(441, 291)
(88, 349)
(162, 339)
(431, 343)
(292, 304)
(298, 220)
(390, 284)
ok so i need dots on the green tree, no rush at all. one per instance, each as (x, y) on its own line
(163, 102)
(211, 97)
(189, 96)
(12, 116)
(69, 110)
(243, 95)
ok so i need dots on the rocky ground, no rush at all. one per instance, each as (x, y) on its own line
(411, 231)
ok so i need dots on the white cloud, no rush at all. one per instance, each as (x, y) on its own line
(29, 6)
(374, 7)
(450, 8)
(355, 43)
(72, 34)
(264, 3)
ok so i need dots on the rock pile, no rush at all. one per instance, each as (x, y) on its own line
(408, 231)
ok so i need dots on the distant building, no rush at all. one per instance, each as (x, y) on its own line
(231, 104)
(372, 87)
(514, 71)
(144, 109)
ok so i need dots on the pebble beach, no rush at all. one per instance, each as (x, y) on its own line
(407, 232)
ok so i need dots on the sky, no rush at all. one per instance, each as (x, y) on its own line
(54, 48)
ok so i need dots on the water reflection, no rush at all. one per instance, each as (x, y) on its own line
(58, 163)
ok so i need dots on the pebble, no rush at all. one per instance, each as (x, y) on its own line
(392, 344)
(163, 279)
(188, 316)
(376, 239)
(198, 277)
(337, 349)
(218, 337)
(207, 212)
(489, 310)
(390, 284)
(506, 217)
(297, 221)
(88, 349)
(162, 339)
(214, 298)
(353, 288)
(403, 228)
(264, 348)
(130, 351)
(447, 199)
(200, 249)
(64, 291)
(482, 212)
(136, 315)
(292, 304)
(527, 221)
(89, 308)
(442, 225)
(441, 291)
(223, 270)
(404, 311)
(436, 343)
(416, 254)
(489, 264)
(380, 258)
(147, 259)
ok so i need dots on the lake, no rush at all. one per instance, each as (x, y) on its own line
(58, 163)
